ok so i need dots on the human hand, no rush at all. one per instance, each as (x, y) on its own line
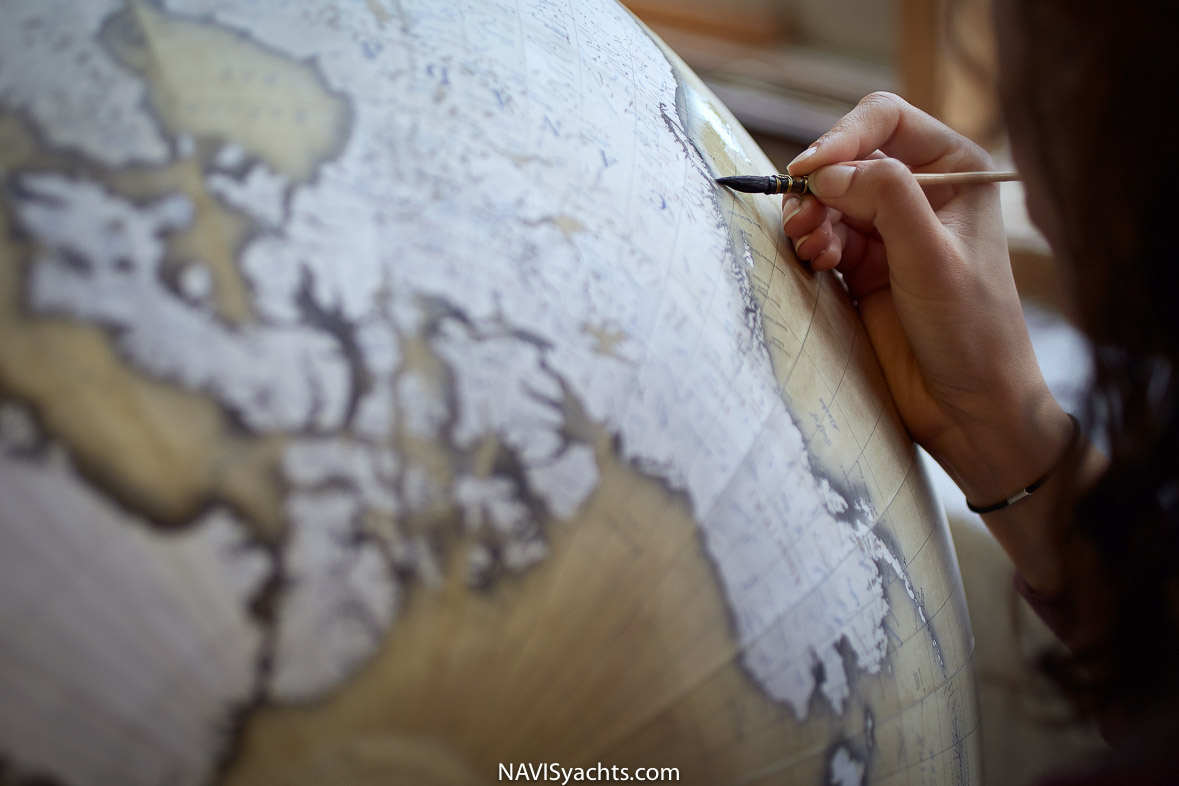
(930, 272)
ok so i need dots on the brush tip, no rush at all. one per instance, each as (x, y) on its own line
(749, 184)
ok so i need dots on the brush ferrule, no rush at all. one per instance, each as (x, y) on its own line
(786, 184)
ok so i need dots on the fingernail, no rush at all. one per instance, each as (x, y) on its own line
(800, 241)
(831, 181)
(790, 207)
(803, 156)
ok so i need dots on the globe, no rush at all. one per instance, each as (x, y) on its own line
(388, 394)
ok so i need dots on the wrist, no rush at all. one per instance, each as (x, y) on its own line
(1026, 491)
(993, 460)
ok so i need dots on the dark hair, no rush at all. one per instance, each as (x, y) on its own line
(1096, 103)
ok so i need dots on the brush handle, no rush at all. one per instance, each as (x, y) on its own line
(964, 178)
(786, 184)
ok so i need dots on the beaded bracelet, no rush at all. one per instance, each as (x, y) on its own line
(1027, 491)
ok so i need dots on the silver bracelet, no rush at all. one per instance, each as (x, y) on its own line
(1027, 490)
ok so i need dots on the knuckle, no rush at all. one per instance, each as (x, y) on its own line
(883, 99)
(886, 177)
(970, 155)
(889, 168)
(985, 159)
(887, 172)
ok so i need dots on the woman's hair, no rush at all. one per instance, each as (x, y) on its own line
(1096, 103)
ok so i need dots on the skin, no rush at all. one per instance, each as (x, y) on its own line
(930, 272)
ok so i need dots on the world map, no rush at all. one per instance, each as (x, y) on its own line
(387, 389)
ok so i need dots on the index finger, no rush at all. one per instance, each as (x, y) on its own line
(887, 123)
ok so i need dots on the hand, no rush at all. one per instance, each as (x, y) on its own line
(930, 272)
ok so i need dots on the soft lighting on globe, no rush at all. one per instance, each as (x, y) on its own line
(388, 394)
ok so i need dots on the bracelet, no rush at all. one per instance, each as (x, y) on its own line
(1027, 491)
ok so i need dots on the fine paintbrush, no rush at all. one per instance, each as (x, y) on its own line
(798, 184)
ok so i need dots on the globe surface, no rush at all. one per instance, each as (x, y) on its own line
(388, 394)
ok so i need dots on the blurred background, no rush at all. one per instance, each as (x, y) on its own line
(788, 69)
